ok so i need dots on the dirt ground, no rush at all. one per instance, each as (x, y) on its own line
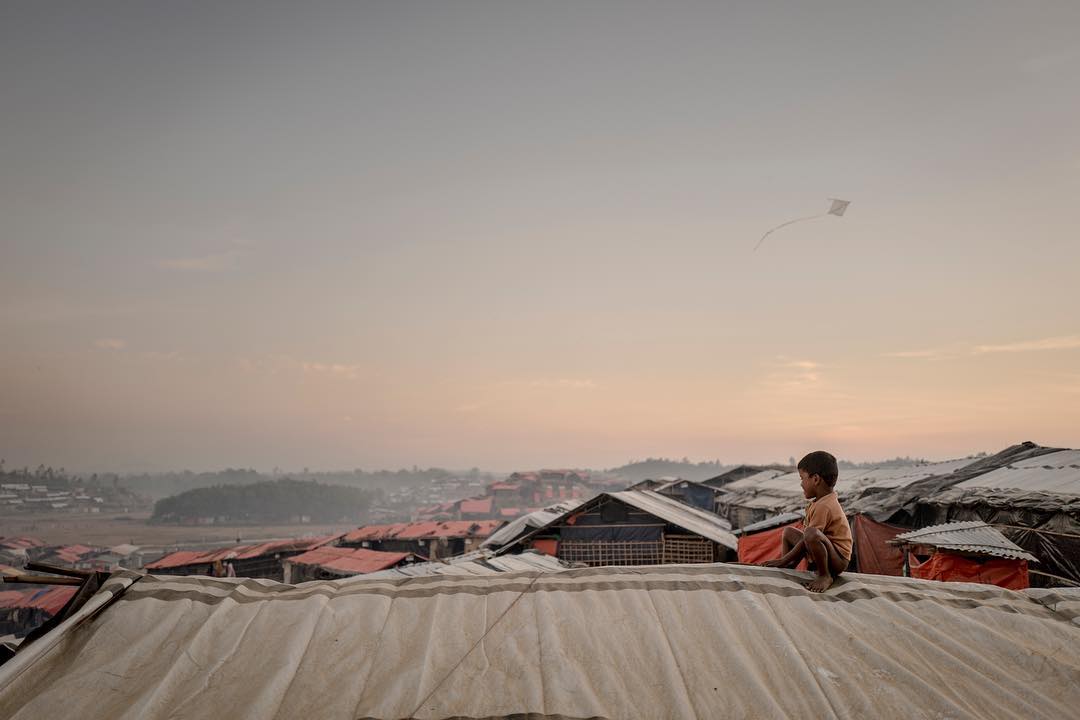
(107, 530)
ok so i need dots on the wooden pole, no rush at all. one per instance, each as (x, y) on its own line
(42, 580)
(57, 570)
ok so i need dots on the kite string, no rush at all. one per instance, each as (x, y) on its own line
(789, 222)
(475, 645)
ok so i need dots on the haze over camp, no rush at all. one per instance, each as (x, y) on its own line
(442, 360)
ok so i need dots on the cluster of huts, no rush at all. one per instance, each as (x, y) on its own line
(626, 604)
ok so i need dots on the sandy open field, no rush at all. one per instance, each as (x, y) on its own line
(106, 530)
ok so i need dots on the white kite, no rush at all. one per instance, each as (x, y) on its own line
(837, 208)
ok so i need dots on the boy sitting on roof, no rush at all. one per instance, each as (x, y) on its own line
(826, 540)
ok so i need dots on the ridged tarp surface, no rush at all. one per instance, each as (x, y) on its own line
(662, 642)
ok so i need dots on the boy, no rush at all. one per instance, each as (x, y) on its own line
(826, 540)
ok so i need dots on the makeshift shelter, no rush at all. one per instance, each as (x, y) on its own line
(538, 518)
(632, 527)
(264, 560)
(24, 609)
(329, 562)
(691, 493)
(964, 552)
(740, 472)
(673, 641)
(427, 539)
(1033, 500)
(771, 492)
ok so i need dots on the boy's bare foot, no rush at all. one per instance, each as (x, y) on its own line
(820, 584)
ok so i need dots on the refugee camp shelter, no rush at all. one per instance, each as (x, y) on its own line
(692, 493)
(1031, 493)
(759, 496)
(1034, 501)
(427, 539)
(262, 560)
(26, 607)
(538, 518)
(659, 642)
(964, 552)
(329, 562)
(632, 527)
(741, 472)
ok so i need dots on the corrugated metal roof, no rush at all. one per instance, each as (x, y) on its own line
(477, 505)
(777, 491)
(349, 561)
(539, 518)
(478, 562)
(973, 536)
(51, 600)
(424, 530)
(181, 558)
(700, 522)
(1057, 472)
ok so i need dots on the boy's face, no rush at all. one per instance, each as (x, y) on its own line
(809, 484)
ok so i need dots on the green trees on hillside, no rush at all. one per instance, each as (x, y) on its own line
(265, 502)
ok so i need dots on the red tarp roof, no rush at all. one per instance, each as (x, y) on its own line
(476, 505)
(21, 543)
(71, 554)
(355, 561)
(238, 552)
(51, 600)
(425, 530)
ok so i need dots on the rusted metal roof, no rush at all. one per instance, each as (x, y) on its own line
(477, 505)
(424, 530)
(973, 536)
(51, 600)
(349, 561)
(181, 558)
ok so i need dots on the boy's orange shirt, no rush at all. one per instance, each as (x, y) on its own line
(826, 515)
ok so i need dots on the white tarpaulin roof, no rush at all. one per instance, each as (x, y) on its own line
(1057, 472)
(668, 641)
(536, 519)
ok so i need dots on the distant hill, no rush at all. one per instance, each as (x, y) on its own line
(280, 501)
(653, 468)
(161, 485)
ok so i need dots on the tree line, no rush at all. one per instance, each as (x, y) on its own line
(273, 501)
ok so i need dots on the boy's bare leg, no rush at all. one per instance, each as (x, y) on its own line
(793, 550)
(828, 563)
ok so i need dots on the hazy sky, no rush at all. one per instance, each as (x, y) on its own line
(516, 235)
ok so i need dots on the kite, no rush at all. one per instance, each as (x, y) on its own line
(836, 207)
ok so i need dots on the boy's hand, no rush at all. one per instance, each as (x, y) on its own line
(772, 563)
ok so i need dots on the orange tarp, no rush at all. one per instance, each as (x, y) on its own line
(873, 553)
(766, 545)
(949, 567)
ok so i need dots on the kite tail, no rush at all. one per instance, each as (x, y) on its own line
(789, 222)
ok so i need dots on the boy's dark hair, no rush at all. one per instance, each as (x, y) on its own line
(820, 463)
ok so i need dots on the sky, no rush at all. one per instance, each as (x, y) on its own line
(514, 235)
